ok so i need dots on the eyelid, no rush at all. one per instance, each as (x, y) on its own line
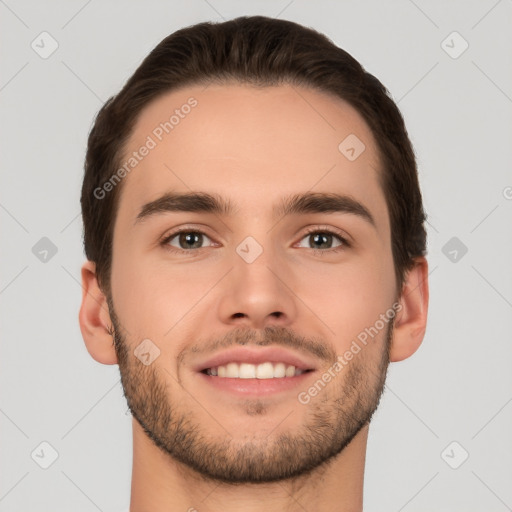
(344, 237)
(169, 235)
(329, 229)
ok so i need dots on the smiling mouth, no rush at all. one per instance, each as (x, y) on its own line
(266, 370)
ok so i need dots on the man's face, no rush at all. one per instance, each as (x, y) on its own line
(283, 287)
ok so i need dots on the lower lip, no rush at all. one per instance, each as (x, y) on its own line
(255, 387)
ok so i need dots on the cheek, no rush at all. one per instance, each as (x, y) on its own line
(153, 295)
(348, 297)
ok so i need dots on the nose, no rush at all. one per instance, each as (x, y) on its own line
(258, 292)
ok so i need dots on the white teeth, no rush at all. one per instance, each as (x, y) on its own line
(266, 370)
(232, 370)
(246, 371)
(279, 370)
(290, 371)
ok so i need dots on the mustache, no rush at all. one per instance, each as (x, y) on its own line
(272, 335)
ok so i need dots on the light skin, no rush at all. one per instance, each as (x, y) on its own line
(252, 147)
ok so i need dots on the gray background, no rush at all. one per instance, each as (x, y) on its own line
(457, 387)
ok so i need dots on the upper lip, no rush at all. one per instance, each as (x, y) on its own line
(256, 355)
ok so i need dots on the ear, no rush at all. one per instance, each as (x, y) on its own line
(411, 320)
(94, 318)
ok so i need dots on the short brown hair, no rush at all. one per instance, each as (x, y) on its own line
(260, 51)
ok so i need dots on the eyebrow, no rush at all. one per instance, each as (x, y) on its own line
(309, 202)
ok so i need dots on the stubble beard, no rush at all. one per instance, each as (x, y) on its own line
(331, 420)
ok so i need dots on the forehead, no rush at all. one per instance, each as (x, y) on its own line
(250, 145)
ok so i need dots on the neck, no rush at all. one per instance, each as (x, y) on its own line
(161, 484)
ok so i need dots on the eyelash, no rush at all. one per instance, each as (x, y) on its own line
(311, 231)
